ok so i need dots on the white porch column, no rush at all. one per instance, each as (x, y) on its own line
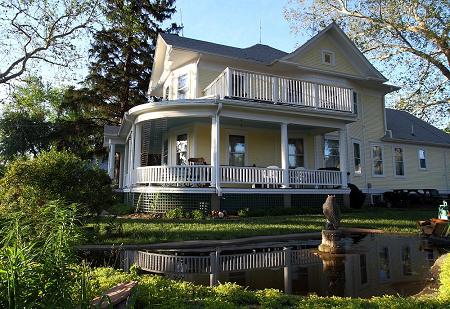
(343, 155)
(215, 152)
(285, 155)
(121, 168)
(131, 158)
(111, 160)
(137, 145)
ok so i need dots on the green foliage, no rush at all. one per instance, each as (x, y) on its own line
(160, 292)
(39, 117)
(197, 214)
(120, 209)
(175, 213)
(36, 256)
(244, 212)
(444, 278)
(55, 175)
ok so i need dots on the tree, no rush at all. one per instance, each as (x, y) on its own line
(41, 31)
(40, 117)
(122, 53)
(407, 39)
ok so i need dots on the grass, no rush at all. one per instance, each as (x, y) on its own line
(147, 231)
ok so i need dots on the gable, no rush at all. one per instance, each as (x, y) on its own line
(348, 59)
(312, 57)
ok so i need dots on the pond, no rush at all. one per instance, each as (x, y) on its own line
(374, 264)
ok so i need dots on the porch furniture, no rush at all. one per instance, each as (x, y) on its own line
(271, 176)
(194, 176)
(299, 177)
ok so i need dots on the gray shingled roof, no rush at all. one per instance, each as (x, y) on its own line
(111, 130)
(400, 122)
(258, 52)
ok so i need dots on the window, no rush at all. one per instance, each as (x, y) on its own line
(399, 165)
(406, 261)
(165, 152)
(182, 86)
(363, 268)
(357, 157)
(377, 160)
(355, 102)
(422, 159)
(296, 153)
(385, 269)
(331, 153)
(327, 57)
(182, 149)
(236, 150)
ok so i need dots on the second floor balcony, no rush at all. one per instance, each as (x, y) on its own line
(259, 87)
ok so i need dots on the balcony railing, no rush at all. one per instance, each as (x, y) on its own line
(261, 87)
(264, 177)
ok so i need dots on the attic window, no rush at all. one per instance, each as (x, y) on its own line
(328, 57)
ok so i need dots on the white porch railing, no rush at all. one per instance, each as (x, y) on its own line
(264, 87)
(164, 263)
(251, 175)
(315, 177)
(178, 174)
(202, 174)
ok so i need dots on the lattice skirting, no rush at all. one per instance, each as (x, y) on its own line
(162, 202)
(264, 203)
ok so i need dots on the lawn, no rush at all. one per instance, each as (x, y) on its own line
(147, 231)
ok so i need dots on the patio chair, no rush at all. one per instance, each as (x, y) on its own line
(299, 177)
(270, 178)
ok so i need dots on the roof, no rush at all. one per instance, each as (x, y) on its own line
(258, 52)
(111, 130)
(402, 124)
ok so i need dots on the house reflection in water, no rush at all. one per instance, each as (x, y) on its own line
(374, 265)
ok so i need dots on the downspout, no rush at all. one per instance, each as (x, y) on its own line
(217, 167)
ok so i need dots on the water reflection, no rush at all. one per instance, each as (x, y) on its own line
(373, 265)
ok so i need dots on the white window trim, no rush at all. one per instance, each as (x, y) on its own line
(172, 138)
(227, 145)
(356, 141)
(394, 172)
(330, 137)
(389, 263)
(382, 159)
(333, 57)
(418, 159)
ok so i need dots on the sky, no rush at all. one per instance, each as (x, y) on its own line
(237, 22)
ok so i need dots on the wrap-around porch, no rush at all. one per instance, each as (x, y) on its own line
(222, 153)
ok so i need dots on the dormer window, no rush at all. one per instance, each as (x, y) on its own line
(328, 57)
(182, 86)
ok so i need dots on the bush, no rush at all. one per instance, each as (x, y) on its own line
(197, 214)
(120, 209)
(176, 213)
(444, 278)
(55, 175)
(244, 212)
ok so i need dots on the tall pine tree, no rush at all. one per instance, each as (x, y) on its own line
(122, 52)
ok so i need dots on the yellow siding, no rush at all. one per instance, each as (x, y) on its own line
(369, 129)
(312, 57)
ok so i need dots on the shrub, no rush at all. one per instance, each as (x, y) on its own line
(176, 213)
(244, 212)
(197, 214)
(444, 278)
(120, 209)
(55, 175)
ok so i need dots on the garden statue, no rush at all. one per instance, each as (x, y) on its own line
(332, 213)
(332, 237)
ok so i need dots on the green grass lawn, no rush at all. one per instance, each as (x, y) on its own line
(141, 231)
